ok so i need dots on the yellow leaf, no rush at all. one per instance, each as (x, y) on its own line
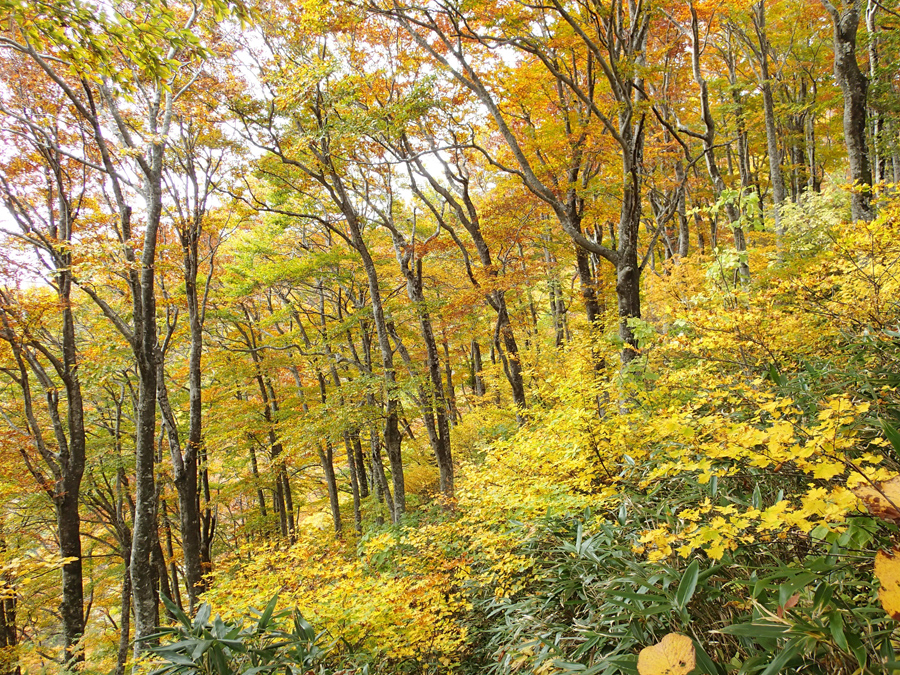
(674, 655)
(887, 570)
(828, 470)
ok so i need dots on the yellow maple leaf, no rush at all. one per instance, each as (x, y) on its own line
(887, 570)
(673, 655)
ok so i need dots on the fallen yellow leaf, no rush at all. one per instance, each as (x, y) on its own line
(674, 655)
(887, 570)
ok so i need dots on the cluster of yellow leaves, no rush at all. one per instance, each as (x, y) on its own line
(405, 610)
(704, 419)
(778, 441)
(401, 593)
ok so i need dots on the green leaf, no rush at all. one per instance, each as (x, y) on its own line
(688, 585)
(777, 664)
(756, 630)
(175, 611)
(567, 666)
(266, 616)
(202, 617)
(200, 649)
(641, 597)
(892, 435)
(705, 665)
(836, 625)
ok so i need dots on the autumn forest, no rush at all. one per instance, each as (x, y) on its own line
(471, 336)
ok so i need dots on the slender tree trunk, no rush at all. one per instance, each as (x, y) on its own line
(434, 402)
(254, 468)
(879, 154)
(72, 606)
(207, 521)
(379, 479)
(477, 367)
(189, 503)
(355, 473)
(775, 175)
(360, 464)
(452, 410)
(709, 145)
(812, 171)
(278, 504)
(142, 569)
(557, 304)
(628, 273)
(9, 632)
(288, 503)
(586, 279)
(684, 227)
(185, 479)
(147, 354)
(391, 433)
(170, 554)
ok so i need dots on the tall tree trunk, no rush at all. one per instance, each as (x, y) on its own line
(254, 468)
(379, 479)
(586, 279)
(170, 554)
(433, 401)
(355, 473)
(684, 227)
(391, 432)
(879, 151)
(854, 87)
(813, 183)
(185, 479)
(477, 367)
(360, 464)
(775, 176)
(207, 520)
(68, 523)
(189, 503)
(734, 216)
(9, 632)
(142, 569)
(452, 410)
(124, 620)
(288, 503)
(628, 271)
(557, 304)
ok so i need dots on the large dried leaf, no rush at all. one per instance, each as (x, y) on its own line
(674, 655)
(882, 499)
(887, 569)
